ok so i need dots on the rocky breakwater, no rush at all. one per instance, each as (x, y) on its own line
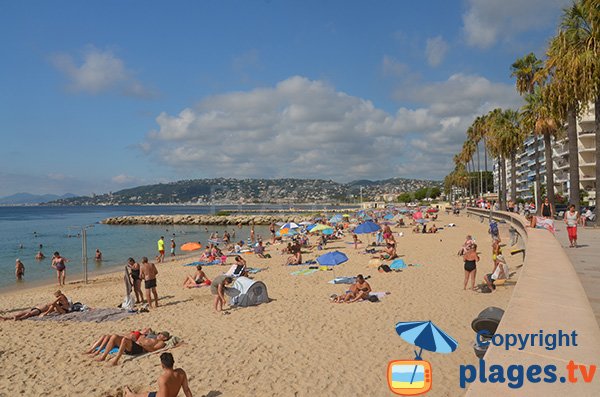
(203, 219)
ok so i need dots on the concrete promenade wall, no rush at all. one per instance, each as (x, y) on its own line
(548, 296)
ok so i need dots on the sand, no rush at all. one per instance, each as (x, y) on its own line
(299, 344)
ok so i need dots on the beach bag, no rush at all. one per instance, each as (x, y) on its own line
(373, 298)
(384, 268)
(485, 289)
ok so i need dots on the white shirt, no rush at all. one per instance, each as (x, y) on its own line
(498, 269)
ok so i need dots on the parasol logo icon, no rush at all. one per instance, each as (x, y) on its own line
(409, 377)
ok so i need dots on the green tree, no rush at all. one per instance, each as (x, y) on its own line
(405, 198)
(434, 193)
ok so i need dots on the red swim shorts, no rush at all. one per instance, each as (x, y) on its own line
(572, 231)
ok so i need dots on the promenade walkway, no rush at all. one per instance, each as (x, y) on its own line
(549, 297)
(586, 261)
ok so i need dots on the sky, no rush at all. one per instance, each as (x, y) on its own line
(97, 96)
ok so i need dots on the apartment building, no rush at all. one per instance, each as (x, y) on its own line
(525, 164)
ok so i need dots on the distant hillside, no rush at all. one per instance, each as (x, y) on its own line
(28, 198)
(241, 191)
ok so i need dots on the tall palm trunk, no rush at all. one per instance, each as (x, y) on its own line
(538, 185)
(574, 196)
(513, 176)
(474, 176)
(485, 162)
(502, 197)
(597, 133)
(549, 169)
(479, 190)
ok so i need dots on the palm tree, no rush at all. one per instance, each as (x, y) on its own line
(496, 145)
(574, 70)
(479, 129)
(527, 71)
(513, 138)
(538, 116)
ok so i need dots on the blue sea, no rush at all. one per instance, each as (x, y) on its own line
(23, 229)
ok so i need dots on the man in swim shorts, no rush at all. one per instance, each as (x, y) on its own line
(161, 249)
(169, 383)
(148, 272)
(126, 345)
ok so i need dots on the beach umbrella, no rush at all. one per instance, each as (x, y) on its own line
(426, 335)
(418, 215)
(388, 217)
(191, 246)
(289, 225)
(367, 227)
(432, 210)
(333, 258)
(321, 227)
(346, 216)
(305, 223)
(327, 232)
(336, 218)
(421, 221)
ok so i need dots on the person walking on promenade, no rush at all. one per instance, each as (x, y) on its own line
(571, 220)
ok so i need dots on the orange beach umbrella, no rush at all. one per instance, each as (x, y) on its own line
(191, 246)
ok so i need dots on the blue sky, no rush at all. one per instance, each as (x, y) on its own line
(103, 95)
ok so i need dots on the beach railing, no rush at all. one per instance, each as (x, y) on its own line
(548, 298)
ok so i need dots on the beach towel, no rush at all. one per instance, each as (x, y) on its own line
(215, 262)
(254, 270)
(543, 223)
(311, 262)
(398, 264)
(343, 280)
(304, 272)
(92, 315)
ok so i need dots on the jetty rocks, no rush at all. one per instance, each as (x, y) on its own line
(204, 219)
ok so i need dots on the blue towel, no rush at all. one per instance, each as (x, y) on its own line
(112, 351)
(215, 262)
(398, 264)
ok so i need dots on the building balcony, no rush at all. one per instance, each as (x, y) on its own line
(561, 165)
(587, 177)
(560, 151)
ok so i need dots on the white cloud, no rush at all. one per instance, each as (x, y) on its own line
(435, 50)
(392, 67)
(487, 21)
(100, 71)
(124, 179)
(305, 128)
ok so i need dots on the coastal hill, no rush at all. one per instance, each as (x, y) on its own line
(30, 199)
(240, 191)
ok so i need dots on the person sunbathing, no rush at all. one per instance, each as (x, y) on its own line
(169, 383)
(98, 346)
(197, 280)
(362, 289)
(240, 269)
(349, 294)
(295, 259)
(60, 305)
(389, 252)
(144, 344)
(22, 315)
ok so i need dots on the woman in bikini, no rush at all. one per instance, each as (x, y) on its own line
(197, 280)
(471, 258)
(60, 305)
(134, 269)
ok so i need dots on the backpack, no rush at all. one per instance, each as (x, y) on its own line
(373, 298)
(384, 268)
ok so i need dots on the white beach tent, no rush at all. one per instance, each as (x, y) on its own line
(247, 292)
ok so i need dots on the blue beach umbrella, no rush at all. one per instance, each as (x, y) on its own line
(333, 258)
(367, 227)
(289, 225)
(337, 218)
(388, 216)
(426, 335)
(421, 221)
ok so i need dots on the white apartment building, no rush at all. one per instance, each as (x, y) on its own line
(586, 142)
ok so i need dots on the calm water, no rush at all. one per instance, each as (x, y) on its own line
(23, 229)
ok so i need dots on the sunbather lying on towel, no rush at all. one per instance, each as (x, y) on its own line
(143, 345)
(101, 343)
(34, 311)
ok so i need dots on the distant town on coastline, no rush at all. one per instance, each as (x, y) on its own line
(248, 191)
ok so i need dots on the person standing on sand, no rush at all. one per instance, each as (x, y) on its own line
(169, 383)
(252, 240)
(161, 249)
(19, 270)
(148, 272)
(173, 245)
(471, 258)
(134, 269)
(218, 288)
(59, 264)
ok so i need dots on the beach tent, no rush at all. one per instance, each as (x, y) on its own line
(247, 292)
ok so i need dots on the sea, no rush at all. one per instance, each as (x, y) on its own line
(24, 229)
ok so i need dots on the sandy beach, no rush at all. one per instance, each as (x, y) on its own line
(299, 344)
